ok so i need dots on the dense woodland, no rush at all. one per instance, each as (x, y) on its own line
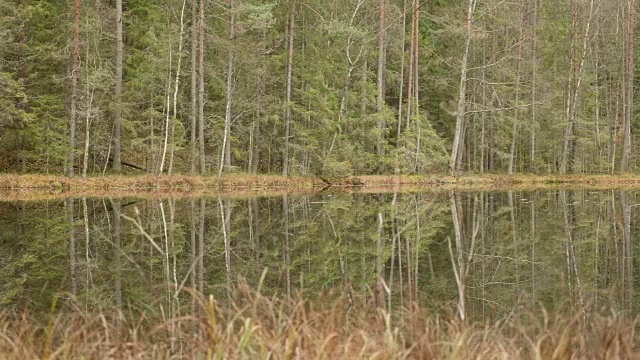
(331, 86)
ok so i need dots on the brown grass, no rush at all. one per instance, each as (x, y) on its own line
(35, 187)
(259, 327)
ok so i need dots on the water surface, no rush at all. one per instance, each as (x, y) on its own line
(480, 254)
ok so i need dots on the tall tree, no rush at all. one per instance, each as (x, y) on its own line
(287, 116)
(194, 84)
(177, 88)
(575, 82)
(75, 64)
(201, 31)
(117, 120)
(382, 29)
(629, 79)
(225, 152)
(456, 151)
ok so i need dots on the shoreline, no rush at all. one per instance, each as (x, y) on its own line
(35, 186)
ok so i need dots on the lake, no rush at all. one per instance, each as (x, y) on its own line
(481, 255)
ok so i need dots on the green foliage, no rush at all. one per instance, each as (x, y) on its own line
(523, 68)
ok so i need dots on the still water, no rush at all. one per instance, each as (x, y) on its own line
(480, 254)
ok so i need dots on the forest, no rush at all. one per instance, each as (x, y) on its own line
(335, 87)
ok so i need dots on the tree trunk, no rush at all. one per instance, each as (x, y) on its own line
(201, 90)
(174, 119)
(225, 153)
(167, 119)
(75, 60)
(117, 121)
(411, 60)
(573, 96)
(194, 85)
(416, 85)
(381, 83)
(534, 74)
(629, 70)
(287, 116)
(456, 151)
(401, 92)
(87, 131)
(87, 123)
(514, 127)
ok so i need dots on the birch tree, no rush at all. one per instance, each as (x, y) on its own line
(456, 151)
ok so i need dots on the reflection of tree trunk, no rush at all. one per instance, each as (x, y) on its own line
(226, 232)
(165, 231)
(596, 252)
(568, 207)
(514, 232)
(458, 267)
(533, 251)
(85, 215)
(174, 285)
(117, 237)
(395, 237)
(194, 254)
(417, 258)
(287, 255)
(462, 265)
(172, 238)
(627, 256)
(345, 279)
(203, 204)
(484, 211)
(379, 248)
(409, 267)
(72, 245)
(613, 230)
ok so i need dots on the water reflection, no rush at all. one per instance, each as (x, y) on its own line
(483, 254)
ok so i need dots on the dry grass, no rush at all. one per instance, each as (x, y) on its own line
(259, 327)
(39, 187)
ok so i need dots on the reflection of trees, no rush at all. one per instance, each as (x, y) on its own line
(508, 250)
(569, 211)
(465, 247)
(627, 255)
